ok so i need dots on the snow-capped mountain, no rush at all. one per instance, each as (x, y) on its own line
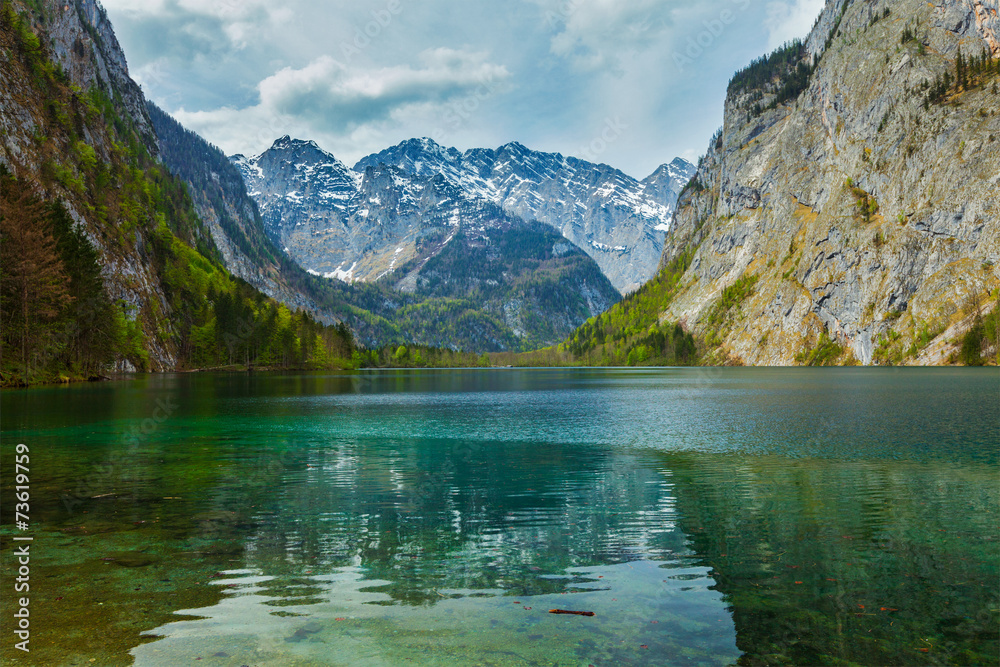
(366, 222)
(427, 236)
(666, 183)
(617, 220)
(352, 225)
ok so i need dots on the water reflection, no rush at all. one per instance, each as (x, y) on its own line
(871, 563)
(747, 516)
(510, 522)
(463, 547)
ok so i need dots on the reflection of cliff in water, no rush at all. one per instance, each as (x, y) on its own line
(829, 561)
(444, 514)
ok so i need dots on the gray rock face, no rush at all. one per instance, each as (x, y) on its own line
(617, 220)
(351, 225)
(80, 39)
(665, 184)
(85, 44)
(362, 224)
(781, 193)
(416, 231)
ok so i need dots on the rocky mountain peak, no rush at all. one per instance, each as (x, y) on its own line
(678, 169)
(667, 181)
(617, 220)
(516, 148)
(418, 157)
(299, 149)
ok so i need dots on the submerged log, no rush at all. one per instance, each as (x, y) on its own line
(575, 613)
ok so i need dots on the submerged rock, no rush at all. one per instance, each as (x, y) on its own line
(305, 632)
(131, 558)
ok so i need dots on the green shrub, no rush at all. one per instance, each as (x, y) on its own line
(971, 353)
(86, 157)
(888, 350)
(732, 297)
(825, 353)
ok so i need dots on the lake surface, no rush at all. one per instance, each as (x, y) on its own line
(705, 516)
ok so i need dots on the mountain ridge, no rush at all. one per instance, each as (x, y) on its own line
(617, 220)
(613, 217)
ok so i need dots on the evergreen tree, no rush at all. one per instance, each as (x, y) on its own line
(960, 71)
(34, 285)
(93, 333)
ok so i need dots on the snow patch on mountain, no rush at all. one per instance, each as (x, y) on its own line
(331, 216)
(582, 200)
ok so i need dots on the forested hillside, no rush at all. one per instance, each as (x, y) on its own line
(105, 261)
(633, 332)
(220, 195)
(130, 243)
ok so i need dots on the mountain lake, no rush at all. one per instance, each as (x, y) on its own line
(417, 517)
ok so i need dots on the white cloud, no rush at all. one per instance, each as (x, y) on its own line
(596, 34)
(790, 19)
(224, 9)
(239, 21)
(345, 105)
(346, 97)
(692, 155)
(243, 72)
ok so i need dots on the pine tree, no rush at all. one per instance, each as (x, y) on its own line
(960, 71)
(94, 333)
(34, 286)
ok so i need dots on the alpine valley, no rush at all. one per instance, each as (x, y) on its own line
(489, 281)
(521, 235)
(148, 233)
(846, 212)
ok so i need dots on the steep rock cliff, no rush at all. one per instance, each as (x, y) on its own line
(860, 213)
(50, 120)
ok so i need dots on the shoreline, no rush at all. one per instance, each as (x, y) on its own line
(120, 377)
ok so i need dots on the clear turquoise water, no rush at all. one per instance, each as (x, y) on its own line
(706, 517)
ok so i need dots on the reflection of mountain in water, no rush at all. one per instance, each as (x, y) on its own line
(378, 505)
(426, 540)
(420, 506)
(819, 561)
(831, 562)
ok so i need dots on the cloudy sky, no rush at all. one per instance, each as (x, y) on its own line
(632, 83)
